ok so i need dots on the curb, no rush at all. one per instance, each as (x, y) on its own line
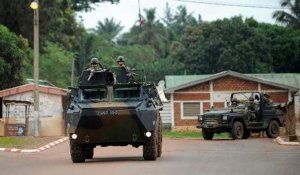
(40, 149)
(280, 141)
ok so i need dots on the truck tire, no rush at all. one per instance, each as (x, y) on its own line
(89, 152)
(150, 147)
(237, 131)
(207, 135)
(159, 146)
(77, 152)
(273, 129)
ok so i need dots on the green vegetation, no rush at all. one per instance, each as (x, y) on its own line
(191, 134)
(25, 142)
(176, 44)
(12, 58)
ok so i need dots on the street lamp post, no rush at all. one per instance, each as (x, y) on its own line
(35, 6)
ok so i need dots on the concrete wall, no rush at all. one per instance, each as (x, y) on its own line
(50, 112)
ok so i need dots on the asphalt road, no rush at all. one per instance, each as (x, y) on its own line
(185, 156)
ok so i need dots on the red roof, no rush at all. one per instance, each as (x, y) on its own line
(30, 87)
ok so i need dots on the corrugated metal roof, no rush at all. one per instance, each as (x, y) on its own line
(31, 87)
(286, 79)
(290, 79)
(175, 80)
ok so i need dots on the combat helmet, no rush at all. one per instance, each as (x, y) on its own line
(95, 61)
(120, 59)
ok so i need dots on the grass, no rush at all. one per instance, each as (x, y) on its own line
(191, 134)
(25, 142)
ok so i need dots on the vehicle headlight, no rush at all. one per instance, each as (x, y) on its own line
(224, 117)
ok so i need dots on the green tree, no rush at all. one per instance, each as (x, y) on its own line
(12, 58)
(292, 18)
(285, 47)
(152, 33)
(56, 20)
(222, 45)
(178, 22)
(85, 5)
(55, 65)
(109, 28)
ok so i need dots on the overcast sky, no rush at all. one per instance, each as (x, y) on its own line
(126, 11)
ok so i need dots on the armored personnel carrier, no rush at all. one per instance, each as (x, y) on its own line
(247, 112)
(103, 112)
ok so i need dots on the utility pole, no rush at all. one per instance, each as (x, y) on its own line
(35, 6)
(72, 75)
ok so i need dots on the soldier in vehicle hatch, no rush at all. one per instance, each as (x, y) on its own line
(124, 75)
(95, 64)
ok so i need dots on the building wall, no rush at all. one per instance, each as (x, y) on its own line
(216, 94)
(50, 113)
(297, 114)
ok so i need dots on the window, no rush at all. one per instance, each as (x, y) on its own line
(94, 94)
(190, 109)
(126, 93)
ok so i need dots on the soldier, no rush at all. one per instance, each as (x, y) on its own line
(124, 75)
(95, 64)
(121, 62)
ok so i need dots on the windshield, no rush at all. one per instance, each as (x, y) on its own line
(94, 94)
(241, 99)
(123, 93)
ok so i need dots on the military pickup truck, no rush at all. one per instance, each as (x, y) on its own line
(246, 112)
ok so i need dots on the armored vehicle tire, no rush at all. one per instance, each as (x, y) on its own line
(77, 152)
(207, 135)
(159, 146)
(237, 131)
(273, 129)
(150, 147)
(89, 152)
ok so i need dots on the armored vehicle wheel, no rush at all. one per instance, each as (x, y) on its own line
(89, 152)
(273, 129)
(246, 134)
(159, 146)
(150, 148)
(77, 152)
(207, 135)
(237, 131)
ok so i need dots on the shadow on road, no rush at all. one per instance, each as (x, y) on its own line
(114, 159)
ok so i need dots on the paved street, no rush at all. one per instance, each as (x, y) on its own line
(185, 156)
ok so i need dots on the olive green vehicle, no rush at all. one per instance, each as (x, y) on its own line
(103, 112)
(247, 112)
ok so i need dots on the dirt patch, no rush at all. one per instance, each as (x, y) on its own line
(27, 142)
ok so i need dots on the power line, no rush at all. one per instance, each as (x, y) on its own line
(233, 4)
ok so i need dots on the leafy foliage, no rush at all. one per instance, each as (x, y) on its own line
(178, 44)
(12, 58)
(228, 44)
(55, 65)
(79, 5)
(292, 18)
(109, 28)
(56, 20)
